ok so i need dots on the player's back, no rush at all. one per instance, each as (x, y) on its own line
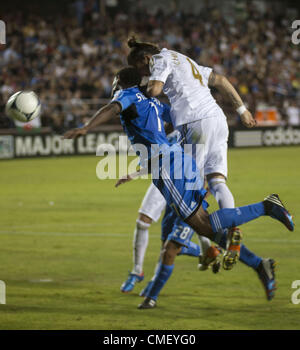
(185, 84)
(142, 118)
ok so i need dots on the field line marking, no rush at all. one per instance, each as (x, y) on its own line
(127, 234)
(6, 227)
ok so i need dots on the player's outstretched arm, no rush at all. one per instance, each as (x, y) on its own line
(103, 115)
(222, 84)
(129, 177)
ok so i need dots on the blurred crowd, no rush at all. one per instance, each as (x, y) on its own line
(69, 58)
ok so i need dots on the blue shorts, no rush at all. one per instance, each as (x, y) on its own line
(180, 182)
(175, 229)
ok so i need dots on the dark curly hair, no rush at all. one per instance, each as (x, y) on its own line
(129, 76)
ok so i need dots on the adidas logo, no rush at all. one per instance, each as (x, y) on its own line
(193, 204)
(274, 199)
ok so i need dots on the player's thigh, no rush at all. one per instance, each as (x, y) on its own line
(153, 203)
(216, 131)
(200, 222)
(208, 138)
(181, 233)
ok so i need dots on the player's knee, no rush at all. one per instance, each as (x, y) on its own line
(144, 219)
(170, 251)
(216, 181)
(212, 176)
(200, 223)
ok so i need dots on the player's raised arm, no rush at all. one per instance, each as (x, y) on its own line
(222, 84)
(103, 115)
(160, 69)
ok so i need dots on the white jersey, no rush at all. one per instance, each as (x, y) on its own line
(185, 84)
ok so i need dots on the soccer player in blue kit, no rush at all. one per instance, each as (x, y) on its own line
(142, 119)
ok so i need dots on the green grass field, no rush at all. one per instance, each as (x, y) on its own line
(66, 248)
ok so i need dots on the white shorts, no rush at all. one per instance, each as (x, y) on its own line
(213, 133)
(153, 203)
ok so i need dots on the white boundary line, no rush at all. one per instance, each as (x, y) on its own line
(126, 234)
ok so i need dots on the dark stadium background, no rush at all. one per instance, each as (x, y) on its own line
(68, 52)
(66, 236)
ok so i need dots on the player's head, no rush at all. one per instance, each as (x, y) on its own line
(140, 55)
(125, 78)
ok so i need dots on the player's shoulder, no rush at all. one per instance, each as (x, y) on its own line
(126, 92)
(164, 55)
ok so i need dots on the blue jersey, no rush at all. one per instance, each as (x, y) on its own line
(142, 118)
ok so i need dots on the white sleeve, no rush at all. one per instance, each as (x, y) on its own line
(205, 71)
(159, 68)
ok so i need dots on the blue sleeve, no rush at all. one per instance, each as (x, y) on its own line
(166, 117)
(123, 99)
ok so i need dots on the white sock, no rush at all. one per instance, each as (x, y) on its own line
(140, 243)
(221, 192)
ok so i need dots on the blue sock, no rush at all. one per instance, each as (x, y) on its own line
(249, 258)
(227, 218)
(234, 217)
(162, 275)
(193, 250)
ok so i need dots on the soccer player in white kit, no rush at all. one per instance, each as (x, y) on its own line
(199, 118)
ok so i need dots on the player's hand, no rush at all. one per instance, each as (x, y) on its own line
(248, 120)
(72, 134)
(123, 179)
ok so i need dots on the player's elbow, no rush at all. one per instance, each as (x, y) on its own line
(217, 80)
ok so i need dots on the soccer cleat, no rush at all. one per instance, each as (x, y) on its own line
(275, 208)
(266, 273)
(210, 259)
(146, 290)
(148, 303)
(132, 279)
(233, 247)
